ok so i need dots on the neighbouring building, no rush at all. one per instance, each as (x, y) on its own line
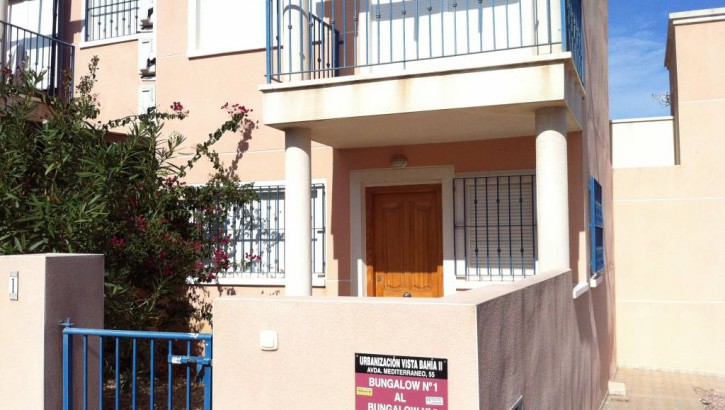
(402, 148)
(668, 210)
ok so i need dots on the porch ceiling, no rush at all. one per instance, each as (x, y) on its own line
(464, 104)
(429, 127)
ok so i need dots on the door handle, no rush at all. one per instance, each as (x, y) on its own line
(407, 295)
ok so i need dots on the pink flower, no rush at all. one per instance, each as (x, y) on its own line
(176, 106)
(236, 109)
(170, 181)
(116, 242)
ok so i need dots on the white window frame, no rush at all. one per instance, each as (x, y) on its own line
(193, 49)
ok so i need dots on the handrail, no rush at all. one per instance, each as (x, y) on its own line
(23, 49)
(358, 33)
(54, 40)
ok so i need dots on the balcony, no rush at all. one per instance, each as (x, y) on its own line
(27, 50)
(378, 70)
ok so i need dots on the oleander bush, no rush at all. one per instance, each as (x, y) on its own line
(70, 183)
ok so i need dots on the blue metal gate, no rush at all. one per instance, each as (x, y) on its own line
(128, 369)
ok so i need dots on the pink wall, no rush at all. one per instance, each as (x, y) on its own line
(520, 339)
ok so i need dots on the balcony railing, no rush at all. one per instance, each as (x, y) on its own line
(319, 39)
(26, 50)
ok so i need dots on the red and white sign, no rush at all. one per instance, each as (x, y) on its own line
(400, 382)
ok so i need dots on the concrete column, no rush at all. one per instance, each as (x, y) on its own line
(48, 289)
(296, 39)
(298, 224)
(552, 189)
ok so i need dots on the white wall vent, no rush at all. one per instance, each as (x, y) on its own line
(145, 15)
(146, 56)
(146, 98)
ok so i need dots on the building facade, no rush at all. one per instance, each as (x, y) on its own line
(404, 149)
(490, 119)
(668, 210)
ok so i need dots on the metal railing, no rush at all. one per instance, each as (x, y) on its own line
(574, 34)
(364, 33)
(27, 50)
(110, 19)
(136, 387)
(256, 233)
(495, 227)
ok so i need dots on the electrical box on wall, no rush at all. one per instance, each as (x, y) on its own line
(146, 56)
(146, 98)
(145, 15)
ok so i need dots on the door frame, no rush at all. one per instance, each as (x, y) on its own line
(362, 179)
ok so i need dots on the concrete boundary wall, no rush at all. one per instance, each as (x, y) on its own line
(504, 341)
(52, 287)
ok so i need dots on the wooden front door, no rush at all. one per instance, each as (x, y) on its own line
(404, 241)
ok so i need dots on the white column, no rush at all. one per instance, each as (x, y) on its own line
(552, 189)
(298, 225)
(296, 39)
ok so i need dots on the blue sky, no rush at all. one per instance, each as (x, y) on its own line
(637, 36)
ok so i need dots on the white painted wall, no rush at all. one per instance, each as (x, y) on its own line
(644, 142)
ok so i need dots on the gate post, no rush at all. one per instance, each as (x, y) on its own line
(67, 367)
(48, 289)
(207, 374)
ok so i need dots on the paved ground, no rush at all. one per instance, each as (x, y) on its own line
(658, 390)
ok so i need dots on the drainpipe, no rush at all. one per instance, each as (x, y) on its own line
(4, 11)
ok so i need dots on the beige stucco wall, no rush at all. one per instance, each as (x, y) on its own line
(52, 287)
(669, 220)
(647, 142)
(527, 338)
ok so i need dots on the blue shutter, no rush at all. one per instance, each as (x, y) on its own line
(596, 227)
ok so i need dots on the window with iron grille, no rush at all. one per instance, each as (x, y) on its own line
(495, 227)
(257, 235)
(106, 19)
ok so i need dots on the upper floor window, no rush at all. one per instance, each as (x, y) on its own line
(222, 26)
(108, 19)
(495, 227)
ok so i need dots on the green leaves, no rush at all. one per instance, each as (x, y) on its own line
(66, 187)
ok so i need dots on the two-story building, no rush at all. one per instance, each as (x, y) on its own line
(410, 148)
(449, 144)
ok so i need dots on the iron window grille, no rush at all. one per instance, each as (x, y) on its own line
(495, 227)
(256, 232)
(106, 19)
